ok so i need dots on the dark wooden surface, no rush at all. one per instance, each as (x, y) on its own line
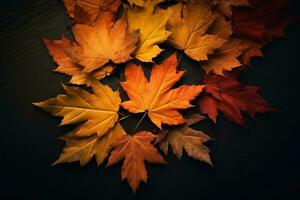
(260, 162)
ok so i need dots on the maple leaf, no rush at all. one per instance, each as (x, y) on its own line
(261, 23)
(151, 24)
(83, 149)
(155, 97)
(254, 50)
(143, 3)
(189, 25)
(65, 54)
(86, 11)
(189, 119)
(226, 56)
(225, 5)
(193, 119)
(98, 111)
(186, 138)
(227, 94)
(135, 150)
(104, 40)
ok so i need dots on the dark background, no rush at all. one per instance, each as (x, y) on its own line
(260, 162)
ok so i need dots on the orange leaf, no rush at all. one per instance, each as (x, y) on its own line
(135, 150)
(86, 11)
(104, 40)
(227, 94)
(156, 96)
(65, 54)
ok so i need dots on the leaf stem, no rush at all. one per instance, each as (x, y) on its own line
(141, 120)
(125, 117)
(122, 114)
(180, 58)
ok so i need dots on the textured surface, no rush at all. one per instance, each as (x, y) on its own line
(261, 162)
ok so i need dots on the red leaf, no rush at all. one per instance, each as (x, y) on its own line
(228, 95)
(263, 22)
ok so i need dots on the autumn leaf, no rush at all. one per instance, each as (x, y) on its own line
(98, 112)
(225, 5)
(189, 25)
(192, 119)
(225, 58)
(143, 3)
(155, 97)
(104, 41)
(151, 23)
(87, 11)
(254, 50)
(189, 119)
(261, 23)
(227, 94)
(188, 139)
(65, 54)
(135, 150)
(85, 148)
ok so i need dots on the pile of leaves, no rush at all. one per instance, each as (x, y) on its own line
(221, 35)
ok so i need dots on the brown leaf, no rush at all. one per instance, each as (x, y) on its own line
(186, 138)
(193, 119)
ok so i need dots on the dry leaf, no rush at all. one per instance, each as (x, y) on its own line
(135, 150)
(261, 23)
(65, 54)
(227, 94)
(151, 24)
(225, 5)
(193, 119)
(225, 58)
(142, 3)
(189, 29)
(98, 112)
(186, 138)
(87, 11)
(83, 149)
(156, 96)
(103, 41)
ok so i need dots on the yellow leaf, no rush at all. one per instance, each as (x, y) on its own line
(189, 25)
(151, 24)
(155, 97)
(98, 112)
(83, 149)
(186, 138)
